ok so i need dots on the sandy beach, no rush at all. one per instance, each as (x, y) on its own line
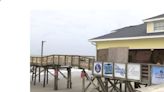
(76, 83)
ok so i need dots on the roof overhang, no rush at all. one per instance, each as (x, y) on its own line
(126, 38)
(151, 20)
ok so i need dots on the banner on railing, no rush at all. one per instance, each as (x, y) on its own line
(134, 71)
(119, 70)
(157, 73)
(108, 69)
(97, 70)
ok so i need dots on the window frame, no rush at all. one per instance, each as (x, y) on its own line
(156, 26)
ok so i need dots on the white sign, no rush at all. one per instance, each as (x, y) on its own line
(108, 69)
(97, 68)
(134, 71)
(119, 70)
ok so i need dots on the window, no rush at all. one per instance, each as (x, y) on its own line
(159, 26)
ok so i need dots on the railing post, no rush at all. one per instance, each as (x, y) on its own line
(89, 64)
(58, 59)
(53, 59)
(71, 60)
(64, 60)
(79, 62)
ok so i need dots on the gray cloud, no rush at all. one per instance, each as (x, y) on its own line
(68, 31)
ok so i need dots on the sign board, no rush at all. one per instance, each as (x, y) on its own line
(157, 74)
(119, 70)
(108, 69)
(134, 71)
(97, 69)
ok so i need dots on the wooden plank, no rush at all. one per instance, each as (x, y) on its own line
(102, 55)
(119, 54)
(68, 60)
(145, 75)
(56, 59)
(144, 72)
(50, 60)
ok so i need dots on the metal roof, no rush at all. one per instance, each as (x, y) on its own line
(158, 16)
(131, 31)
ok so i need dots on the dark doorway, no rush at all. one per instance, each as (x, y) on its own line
(146, 56)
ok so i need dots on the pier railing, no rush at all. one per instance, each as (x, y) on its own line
(64, 60)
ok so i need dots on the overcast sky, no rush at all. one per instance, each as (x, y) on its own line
(67, 25)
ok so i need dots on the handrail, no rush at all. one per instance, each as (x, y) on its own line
(72, 60)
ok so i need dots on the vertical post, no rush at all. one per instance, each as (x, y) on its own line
(149, 74)
(46, 69)
(35, 75)
(83, 86)
(58, 59)
(47, 73)
(39, 73)
(79, 62)
(71, 60)
(44, 76)
(69, 83)
(56, 78)
(32, 72)
(64, 60)
(33, 68)
(53, 59)
(83, 80)
(70, 78)
(120, 86)
(89, 64)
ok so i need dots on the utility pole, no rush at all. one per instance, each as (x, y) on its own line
(42, 44)
(42, 51)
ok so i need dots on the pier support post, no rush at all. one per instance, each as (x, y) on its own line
(56, 78)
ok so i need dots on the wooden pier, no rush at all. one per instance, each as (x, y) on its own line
(105, 83)
(58, 62)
